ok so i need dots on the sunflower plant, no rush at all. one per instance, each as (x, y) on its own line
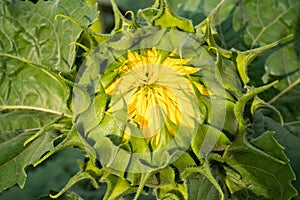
(161, 108)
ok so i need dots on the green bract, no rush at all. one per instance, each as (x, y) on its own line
(159, 106)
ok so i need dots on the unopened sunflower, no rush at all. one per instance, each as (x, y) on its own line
(166, 105)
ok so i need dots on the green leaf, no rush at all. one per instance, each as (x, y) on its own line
(243, 59)
(208, 138)
(246, 24)
(18, 121)
(206, 170)
(163, 16)
(258, 104)
(32, 88)
(196, 10)
(49, 176)
(177, 192)
(246, 194)
(72, 181)
(274, 20)
(30, 31)
(116, 187)
(66, 196)
(287, 102)
(128, 4)
(288, 135)
(15, 157)
(200, 187)
(183, 162)
(283, 64)
(29, 57)
(16, 127)
(252, 171)
(121, 23)
(251, 93)
(263, 22)
(34, 47)
(165, 176)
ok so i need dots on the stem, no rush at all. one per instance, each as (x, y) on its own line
(143, 182)
(35, 108)
(24, 60)
(47, 127)
(284, 91)
(292, 123)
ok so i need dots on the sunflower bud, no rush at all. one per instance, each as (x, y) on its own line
(163, 98)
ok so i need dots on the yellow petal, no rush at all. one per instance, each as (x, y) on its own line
(155, 92)
(178, 65)
(202, 89)
(110, 89)
(152, 57)
(134, 60)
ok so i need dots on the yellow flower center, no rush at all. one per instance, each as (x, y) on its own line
(155, 92)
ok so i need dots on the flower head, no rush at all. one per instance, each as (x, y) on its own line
(157, 92)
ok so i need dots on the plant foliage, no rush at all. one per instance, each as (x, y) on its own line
(242, 61)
